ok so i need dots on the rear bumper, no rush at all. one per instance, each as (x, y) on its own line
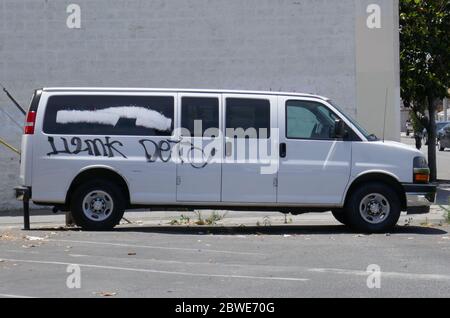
(419, 197)
(22, 193)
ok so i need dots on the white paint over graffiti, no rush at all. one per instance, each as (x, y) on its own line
(145, 117)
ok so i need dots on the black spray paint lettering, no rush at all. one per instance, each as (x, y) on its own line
(94, 147)
(163, 150)
(153, 150)
(195, 152)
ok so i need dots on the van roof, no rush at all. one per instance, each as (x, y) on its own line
(183, 90)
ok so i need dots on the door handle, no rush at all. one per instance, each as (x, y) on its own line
(283, 150)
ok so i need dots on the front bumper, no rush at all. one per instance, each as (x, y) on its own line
(419, 197)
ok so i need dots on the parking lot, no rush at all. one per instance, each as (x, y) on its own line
(168, 254)
(247, 254)
(242, 255)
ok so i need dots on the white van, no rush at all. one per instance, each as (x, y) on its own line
(100, 151)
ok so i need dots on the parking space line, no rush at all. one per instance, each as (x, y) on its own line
(171, 261)
(14, 296)
(383, 274)
(145, 270)
(156, 247)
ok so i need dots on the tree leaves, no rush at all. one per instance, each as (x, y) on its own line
(425, 61)
(424, 49)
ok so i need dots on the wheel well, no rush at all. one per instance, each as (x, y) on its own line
(98, 173)
(379, 177)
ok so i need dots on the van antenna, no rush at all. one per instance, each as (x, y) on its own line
(385, 110)
(13, 100)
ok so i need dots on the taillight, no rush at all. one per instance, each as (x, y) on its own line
(29, 123)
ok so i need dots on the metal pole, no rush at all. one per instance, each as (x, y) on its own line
(4, 143)
(26, 214)
(20, 108)
(69, 219)
(445, 106)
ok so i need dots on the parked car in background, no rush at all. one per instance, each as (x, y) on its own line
(409, 128)
(439, 126)
(443, 138)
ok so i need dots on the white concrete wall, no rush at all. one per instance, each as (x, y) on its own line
(378, 70)
(297, 45)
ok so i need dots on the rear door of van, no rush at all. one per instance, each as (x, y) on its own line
(199, 162)
(129, 133)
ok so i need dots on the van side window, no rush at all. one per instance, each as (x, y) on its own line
(202, 109)
(309, 120)
(250, 115)
(109, 115)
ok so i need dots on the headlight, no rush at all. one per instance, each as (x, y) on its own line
(420, 162)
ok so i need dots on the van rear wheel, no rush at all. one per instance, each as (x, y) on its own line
(373, 208)
(97, 205)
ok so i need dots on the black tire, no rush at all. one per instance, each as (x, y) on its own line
(361, 224)
(440, 146)
(340, 216)
(407, 133)
(113, 194)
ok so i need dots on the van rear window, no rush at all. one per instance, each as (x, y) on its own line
(109, 115)
(247, 114)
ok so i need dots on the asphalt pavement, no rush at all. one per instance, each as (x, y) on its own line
(247, 254)
(242, 255)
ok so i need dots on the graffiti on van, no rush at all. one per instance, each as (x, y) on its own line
(94, 147)
(185, 151)
(163, 150)
(154, 151)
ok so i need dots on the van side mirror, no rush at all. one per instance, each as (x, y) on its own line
(339, 129)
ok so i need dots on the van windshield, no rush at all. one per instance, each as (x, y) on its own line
(362, 130)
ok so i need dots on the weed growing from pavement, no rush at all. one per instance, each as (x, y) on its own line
(211, 219)
(266, 222)
(425, 223)
(286, 219)
(446, 211)
(182, 220)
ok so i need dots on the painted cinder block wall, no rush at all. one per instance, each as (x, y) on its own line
(314, 46)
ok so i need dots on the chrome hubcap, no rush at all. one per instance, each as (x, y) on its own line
(374, 208)
(97, 205)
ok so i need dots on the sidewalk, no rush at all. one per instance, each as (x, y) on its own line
(226, 218)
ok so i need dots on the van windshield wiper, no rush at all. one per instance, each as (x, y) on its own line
(13, 100)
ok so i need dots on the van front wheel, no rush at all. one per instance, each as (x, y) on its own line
(373, 208)
(97, 205)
